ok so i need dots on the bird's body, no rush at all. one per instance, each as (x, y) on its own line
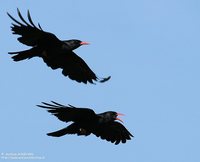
(54, 52)
(86, 121)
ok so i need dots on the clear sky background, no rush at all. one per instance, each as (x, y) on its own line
(151, 48)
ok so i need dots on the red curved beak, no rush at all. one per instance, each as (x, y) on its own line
(84, 43)
(120, 114)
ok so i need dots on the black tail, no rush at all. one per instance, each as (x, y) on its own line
(74, 128)
(71, 129)
(22, 55)
(59, 133)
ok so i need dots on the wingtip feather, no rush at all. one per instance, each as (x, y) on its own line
(104, 79)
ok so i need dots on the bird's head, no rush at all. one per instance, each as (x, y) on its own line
(75, 43)
(111, 116)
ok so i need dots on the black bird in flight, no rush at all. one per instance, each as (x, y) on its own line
(54, 52)
(86, 121)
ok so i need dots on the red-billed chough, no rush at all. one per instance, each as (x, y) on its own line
(85, 121)
(54, 52)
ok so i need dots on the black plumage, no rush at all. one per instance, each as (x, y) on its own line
(85, 121)
(54, 52)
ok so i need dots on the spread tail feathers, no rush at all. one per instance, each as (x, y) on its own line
(22, 55)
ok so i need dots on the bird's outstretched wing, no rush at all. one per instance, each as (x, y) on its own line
(31, 35)
(114, 132)
(69, 113)
(74, 67)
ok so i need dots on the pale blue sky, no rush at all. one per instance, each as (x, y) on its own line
(152, 51)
